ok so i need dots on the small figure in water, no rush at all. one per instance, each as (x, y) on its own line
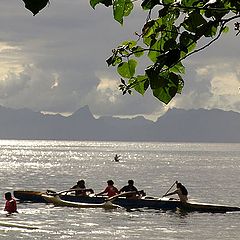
(181, 191)
(117, 158)
(11, 204)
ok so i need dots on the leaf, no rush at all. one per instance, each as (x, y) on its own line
(164, 85)
(35, 6)
(138, 51)
(172, 57)
(187, 42)
(127, 69)
(178, 68)
(140, 83)
(154, 51)
(93, 3)
(225, 29)
(130, 43)
(169, 44)
(163, 12)
(107, 3)
(193, 21)
(121, 8)
(187, 3)
(208, 30)
(166, 2)
(114, 60)
(149, 4)
(148, 28)
(170, 83)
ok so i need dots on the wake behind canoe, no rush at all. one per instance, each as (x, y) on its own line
(16, 225)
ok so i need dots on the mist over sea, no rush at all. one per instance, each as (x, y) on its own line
(209, 171)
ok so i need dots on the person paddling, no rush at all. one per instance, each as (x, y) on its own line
(110, 190)
(81, 189)
(130, 188)
(181, 191)
(11, 204)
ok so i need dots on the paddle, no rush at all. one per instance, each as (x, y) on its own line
(50, 192)
(120, 195)
(169, 189)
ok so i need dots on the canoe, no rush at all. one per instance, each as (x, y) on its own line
(57, 201)
(145, 202)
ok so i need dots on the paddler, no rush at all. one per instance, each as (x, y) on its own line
(181, 191)
(110, 190)
(81, 189)
(131, 188)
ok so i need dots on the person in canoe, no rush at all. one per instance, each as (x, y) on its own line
(110, 190)
(181, 191)
(11, 204)
(81, 189)
(130, 188)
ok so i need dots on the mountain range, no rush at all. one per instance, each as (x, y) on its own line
(176, 125)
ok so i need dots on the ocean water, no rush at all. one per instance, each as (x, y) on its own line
(209, 171)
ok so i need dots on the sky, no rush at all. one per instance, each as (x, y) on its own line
(55, 62)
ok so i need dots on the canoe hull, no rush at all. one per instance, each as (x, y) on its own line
(151, 203)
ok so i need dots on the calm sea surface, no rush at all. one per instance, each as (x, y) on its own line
(211, 173)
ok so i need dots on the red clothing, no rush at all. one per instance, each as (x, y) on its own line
(111, 191)
(11, 206)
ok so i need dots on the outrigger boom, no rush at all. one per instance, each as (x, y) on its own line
(145, 202)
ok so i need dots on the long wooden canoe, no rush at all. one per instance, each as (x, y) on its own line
(147, 202)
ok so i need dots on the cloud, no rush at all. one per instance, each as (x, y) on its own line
(108, 88)
(214, 85)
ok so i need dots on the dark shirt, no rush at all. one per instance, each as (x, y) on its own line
(80, 191)
(128, 189)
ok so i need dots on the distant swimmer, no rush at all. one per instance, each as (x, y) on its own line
(11, 204)
(117, 158)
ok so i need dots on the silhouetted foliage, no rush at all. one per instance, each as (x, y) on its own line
(172, 32)
(35, 6)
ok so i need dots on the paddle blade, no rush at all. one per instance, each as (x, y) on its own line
(110, 205)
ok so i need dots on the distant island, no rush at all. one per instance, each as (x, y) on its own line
(177, 125)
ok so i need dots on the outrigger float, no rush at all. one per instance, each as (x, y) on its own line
(60, 199)
(57, 201)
